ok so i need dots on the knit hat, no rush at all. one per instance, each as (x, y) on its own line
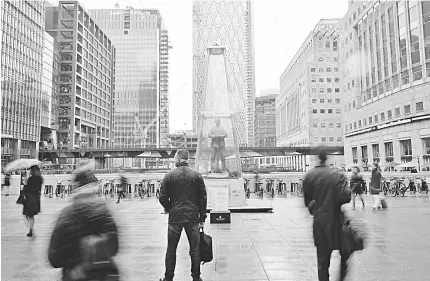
(84, 177)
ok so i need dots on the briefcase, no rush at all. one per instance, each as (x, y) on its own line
(206, 254)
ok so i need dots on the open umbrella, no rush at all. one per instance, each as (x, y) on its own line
(21, 164)
(407, 165)
(391, 165)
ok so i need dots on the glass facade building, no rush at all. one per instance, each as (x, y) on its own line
(229, 24)
(386, 68)
(50, 89)
(87, 77)
(21, 71)
(141, 96)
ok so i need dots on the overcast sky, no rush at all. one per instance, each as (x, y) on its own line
(280, 27)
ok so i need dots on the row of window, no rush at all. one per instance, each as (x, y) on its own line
(321, 80)
(330, 125)
(328, 100)
(328, 90)
(327, 59)
(383, 116)
(328, 69)
(325, 139)
(329, 111)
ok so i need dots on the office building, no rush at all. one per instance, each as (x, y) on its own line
(229, 24)
(141, 95)
(50, 90)
(87, 77)
(21, 71)
(264, 128)
(385, 53)
(309, 106)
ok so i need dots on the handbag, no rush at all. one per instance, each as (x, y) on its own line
(352, 238)
(21, 199)
(206, 253)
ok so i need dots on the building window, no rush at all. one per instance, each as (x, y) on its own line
(321, 90)
(323, 139)
(321, 80)
(331, 139)
(322, 110)
(321, 59)
(328, 69)
(359, 123)
(330, 110)
(339, 139)
(312, 69)
(389, 149)
(426, 146)
(419, 106)
(375, 150)
(355, 125)
(314, 100)
(322, 125)
(337, 100)
(330, 125)
(328, 80)
(314, 90)
(370, 120)
(364, 152)
(313, 80)
(338, 111)
(382, 117)
(315, 125)
(336, 90)
(376, 119)
(314, 111)
(389, 114)
(407, 109)
(329, 100)
(354, 153)
(336, 69)
(405, 77)
(397, 111)
(336, 80)
(328, 90)
(321, 100)
(426, 17)
(406, 146)
(417, 73)
(320, 69)
(338, 125)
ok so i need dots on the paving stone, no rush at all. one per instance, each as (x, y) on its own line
(276, 246)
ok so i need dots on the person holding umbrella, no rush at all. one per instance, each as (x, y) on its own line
(31, 193)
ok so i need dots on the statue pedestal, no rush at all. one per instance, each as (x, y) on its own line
(234, 189)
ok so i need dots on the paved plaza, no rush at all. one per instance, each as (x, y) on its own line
(276, 246)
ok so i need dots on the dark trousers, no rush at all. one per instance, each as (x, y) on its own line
(323, 257)
(173, 235)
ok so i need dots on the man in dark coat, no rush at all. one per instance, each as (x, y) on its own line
(325, 190)
(85, 226)
(375, 186)
(183, 196)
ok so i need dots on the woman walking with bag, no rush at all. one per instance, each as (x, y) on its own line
(375, 187)
(357, 184)
(31, 193)
(85, 238)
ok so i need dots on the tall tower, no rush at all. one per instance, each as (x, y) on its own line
(226, 23)
(142, 46)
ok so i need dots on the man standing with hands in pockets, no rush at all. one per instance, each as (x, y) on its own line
(183, 195)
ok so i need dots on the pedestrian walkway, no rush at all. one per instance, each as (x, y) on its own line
(276, 246)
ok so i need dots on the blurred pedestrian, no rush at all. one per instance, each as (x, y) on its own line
(6, 183)
(31, 192)
(122, 187)
(325, 191)
(183, 196)
(357, 184)
(375, 186)
(85, 237)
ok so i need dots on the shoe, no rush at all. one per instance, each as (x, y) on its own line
(117, 202)
(7, 195)
(30, 234)
(200, 279)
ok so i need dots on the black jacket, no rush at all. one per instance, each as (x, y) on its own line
(183, 195)
(326, 190)
(357, 183)
(31, 191)
(86, 216)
